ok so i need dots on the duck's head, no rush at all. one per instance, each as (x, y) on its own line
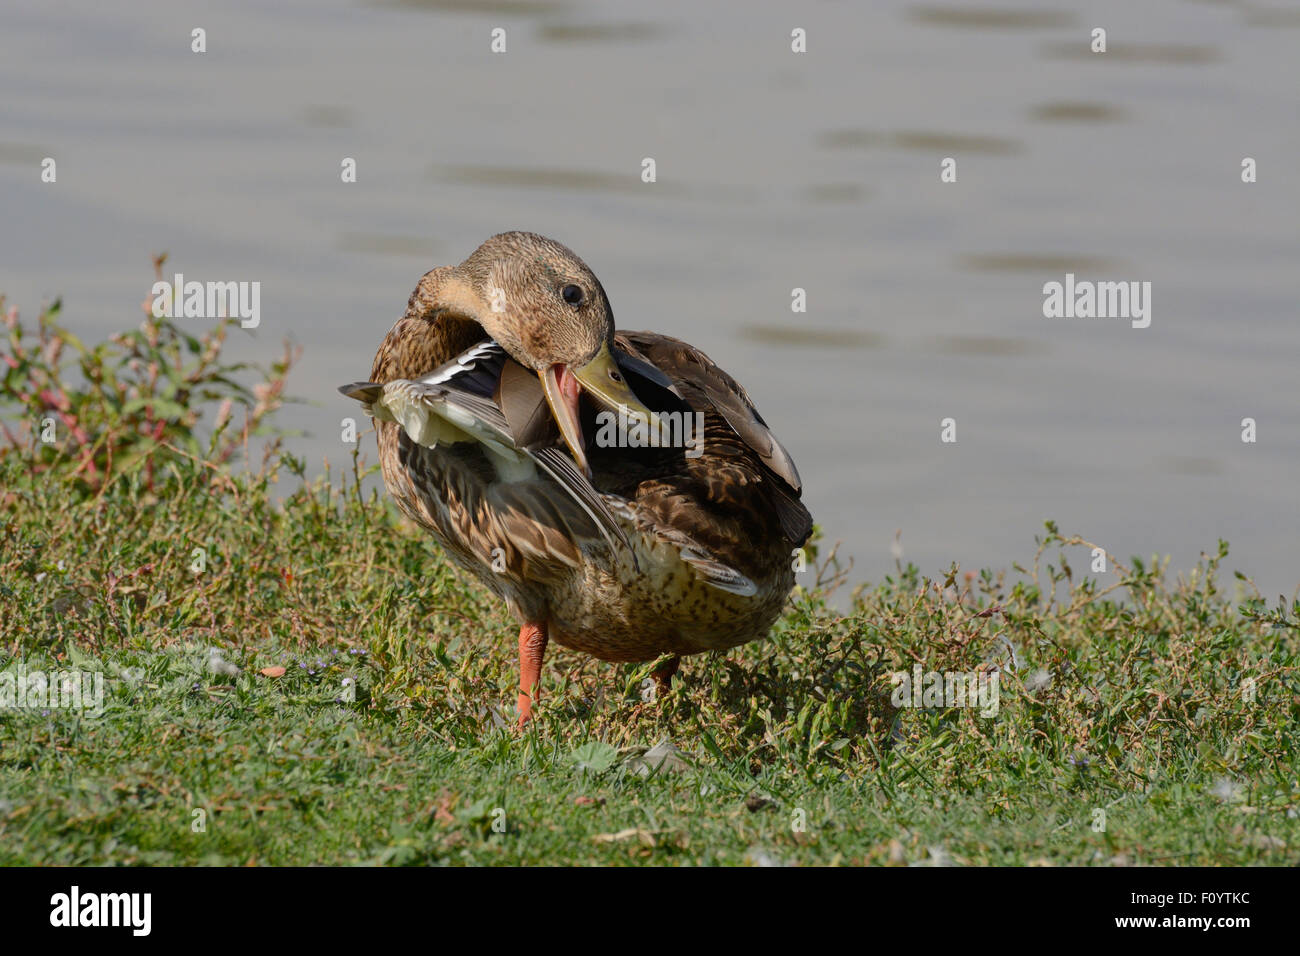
(542, 304)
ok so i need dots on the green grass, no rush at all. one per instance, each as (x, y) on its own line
(389, 738)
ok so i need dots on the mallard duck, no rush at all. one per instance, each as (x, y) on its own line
(617, 489)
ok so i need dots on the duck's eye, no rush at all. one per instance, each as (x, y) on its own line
(572, 294)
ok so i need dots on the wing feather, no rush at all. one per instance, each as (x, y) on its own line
(464, 393)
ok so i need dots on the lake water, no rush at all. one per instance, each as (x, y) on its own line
(775, 170)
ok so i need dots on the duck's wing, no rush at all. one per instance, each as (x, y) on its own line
(484, 396)
(691, 370)
(698, 381)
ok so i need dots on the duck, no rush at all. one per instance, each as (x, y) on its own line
(618, 490)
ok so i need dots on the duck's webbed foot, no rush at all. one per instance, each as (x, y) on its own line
(663, 675)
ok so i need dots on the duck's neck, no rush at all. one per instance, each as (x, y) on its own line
(430, 334)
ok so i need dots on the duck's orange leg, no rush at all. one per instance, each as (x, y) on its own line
(532, 647)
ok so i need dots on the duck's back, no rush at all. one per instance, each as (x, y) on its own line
(737, 471)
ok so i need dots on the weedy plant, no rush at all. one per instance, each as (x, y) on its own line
(291, 674)
(131, 402)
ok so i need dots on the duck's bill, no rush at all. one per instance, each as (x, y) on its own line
(601, 379)
(561, 387)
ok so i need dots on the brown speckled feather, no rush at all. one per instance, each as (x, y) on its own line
(743, 465)
(712, 536)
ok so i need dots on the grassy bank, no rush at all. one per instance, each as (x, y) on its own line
(292, 674)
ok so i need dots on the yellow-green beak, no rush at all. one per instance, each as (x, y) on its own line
(601, 379)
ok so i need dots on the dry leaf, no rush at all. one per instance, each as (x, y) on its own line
(635, 833)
